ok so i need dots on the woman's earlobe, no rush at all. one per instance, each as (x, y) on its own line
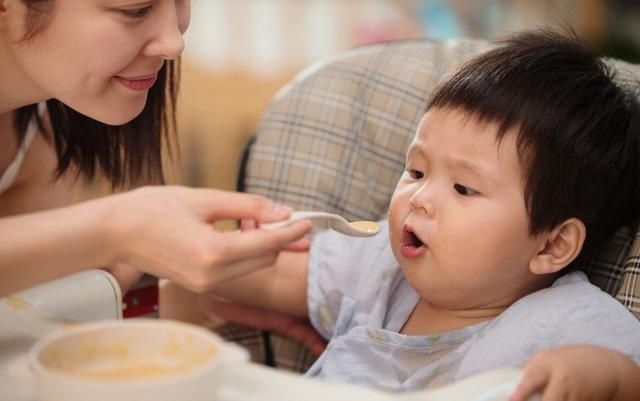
(562, 246)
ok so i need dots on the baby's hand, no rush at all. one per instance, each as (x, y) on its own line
(585, 373)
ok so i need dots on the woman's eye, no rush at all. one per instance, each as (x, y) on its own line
(462, 190)
(136, 12)
(415, 174)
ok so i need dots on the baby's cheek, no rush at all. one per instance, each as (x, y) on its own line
(392, 230)
(395, 227)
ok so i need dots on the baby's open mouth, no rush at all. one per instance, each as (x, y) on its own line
(409, 238)
(412, 246)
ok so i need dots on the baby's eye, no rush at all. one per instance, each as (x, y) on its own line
(462, 190)
(136, 12)
(415, 174)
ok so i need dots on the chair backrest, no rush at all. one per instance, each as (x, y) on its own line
(334, 139)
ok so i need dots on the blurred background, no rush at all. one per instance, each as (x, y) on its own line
(240, 52)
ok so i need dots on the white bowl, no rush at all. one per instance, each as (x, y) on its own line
(131, 360)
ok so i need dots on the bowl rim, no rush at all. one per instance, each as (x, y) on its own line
(223, 351)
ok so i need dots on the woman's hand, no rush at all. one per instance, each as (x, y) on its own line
(168, 232)
(582, 372)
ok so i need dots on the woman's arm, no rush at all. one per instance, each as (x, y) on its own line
(35, 189)
(42, 246)
(164, 231)
(29, 254)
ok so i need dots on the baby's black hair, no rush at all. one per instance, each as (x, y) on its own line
(578, 132)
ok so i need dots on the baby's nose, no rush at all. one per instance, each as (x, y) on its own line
(424, 200)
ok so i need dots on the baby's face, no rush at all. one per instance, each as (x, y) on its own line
(458, 223)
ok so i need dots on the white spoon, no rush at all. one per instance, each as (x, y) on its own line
(329, 220)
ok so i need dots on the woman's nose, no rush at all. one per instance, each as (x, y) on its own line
(423, 199)
(168, 41)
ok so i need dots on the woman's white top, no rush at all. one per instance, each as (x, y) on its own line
(10, 174)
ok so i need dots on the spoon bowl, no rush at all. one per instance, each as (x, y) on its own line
(329, 220)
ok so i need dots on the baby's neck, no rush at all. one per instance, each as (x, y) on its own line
(426, 319)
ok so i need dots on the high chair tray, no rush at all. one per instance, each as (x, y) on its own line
(259, 383)
(95, 295)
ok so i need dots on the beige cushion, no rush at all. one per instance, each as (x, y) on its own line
(334, 138)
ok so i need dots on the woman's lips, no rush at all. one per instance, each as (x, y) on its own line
(139, 83)
(411, 247)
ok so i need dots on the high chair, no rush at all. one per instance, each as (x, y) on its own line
(334, 140)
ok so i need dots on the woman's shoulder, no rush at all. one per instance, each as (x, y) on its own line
(35, 186)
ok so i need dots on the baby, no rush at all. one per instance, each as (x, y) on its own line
(524, 162)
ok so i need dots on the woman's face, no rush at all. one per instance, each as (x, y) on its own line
(100, 57)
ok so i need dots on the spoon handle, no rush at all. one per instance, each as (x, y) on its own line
(323, 220)
(319, 219)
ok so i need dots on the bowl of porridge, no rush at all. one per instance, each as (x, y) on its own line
(131, 360)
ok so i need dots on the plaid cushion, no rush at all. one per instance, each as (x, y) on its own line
(334, 139)
(616, 268)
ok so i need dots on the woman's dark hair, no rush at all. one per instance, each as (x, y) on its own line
(578, 132)
(127, 154)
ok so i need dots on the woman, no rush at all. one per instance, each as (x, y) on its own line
(87, 87)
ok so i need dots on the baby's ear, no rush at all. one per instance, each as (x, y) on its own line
(559, 247)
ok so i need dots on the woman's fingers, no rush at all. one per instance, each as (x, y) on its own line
(248, 224)
(297, 246)
(220, 205)
(251, 209)
(302, 245)
(250, 244)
